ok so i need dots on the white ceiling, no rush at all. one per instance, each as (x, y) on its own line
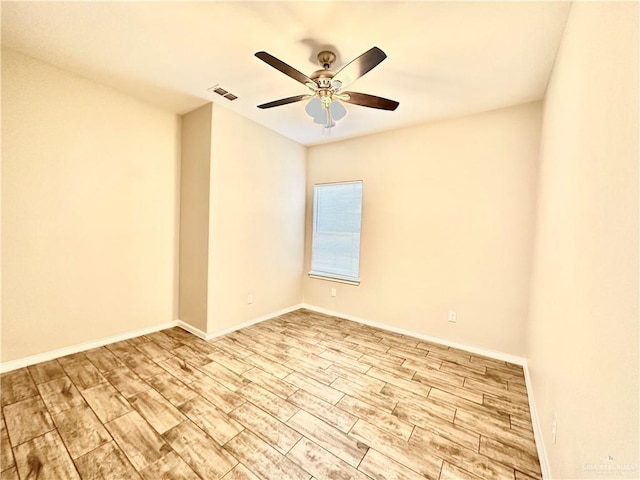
(445, 59)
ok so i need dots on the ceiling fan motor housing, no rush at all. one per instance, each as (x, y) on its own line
(323, 77)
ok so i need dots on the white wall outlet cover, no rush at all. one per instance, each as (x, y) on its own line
(453, 317)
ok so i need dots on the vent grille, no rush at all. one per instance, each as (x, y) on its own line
(223, 93)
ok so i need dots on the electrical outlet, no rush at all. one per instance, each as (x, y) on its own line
(453, 317)
(250, 298)
(334, 292)
(554, 427)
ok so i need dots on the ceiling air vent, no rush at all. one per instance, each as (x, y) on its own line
(223, 93)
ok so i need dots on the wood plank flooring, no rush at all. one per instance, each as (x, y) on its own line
(301, 396)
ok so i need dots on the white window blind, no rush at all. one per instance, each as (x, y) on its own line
(337, 217)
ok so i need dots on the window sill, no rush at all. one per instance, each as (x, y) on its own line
(329, 278)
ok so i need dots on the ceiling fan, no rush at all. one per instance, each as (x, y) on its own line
(326, 87)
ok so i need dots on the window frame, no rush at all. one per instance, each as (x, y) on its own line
(328, 276)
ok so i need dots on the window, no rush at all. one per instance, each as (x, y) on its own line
(335, 248)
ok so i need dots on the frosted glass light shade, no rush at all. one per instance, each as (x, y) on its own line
(315, 110)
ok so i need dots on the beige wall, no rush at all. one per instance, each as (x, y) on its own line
(583, 327)
(256, 230)
(89, 209)
(194, 216)
(447, 224)
(242, 225)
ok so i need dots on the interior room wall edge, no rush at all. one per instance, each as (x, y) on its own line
(486, 352)
(82, 347)
(60, 352)
(253, 321)
(535, 422)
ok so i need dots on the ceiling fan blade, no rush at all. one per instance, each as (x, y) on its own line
(358, 67)
(284, 68)
(370, 101)
(284, 101)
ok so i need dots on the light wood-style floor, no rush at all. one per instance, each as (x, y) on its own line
(300, 396)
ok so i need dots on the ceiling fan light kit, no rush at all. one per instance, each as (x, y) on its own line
(326, 87)
(325, 116)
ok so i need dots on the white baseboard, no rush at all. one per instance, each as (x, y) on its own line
(191, 329)
(253, 321)
(507, 357)
(81, 347)
(537, 431)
